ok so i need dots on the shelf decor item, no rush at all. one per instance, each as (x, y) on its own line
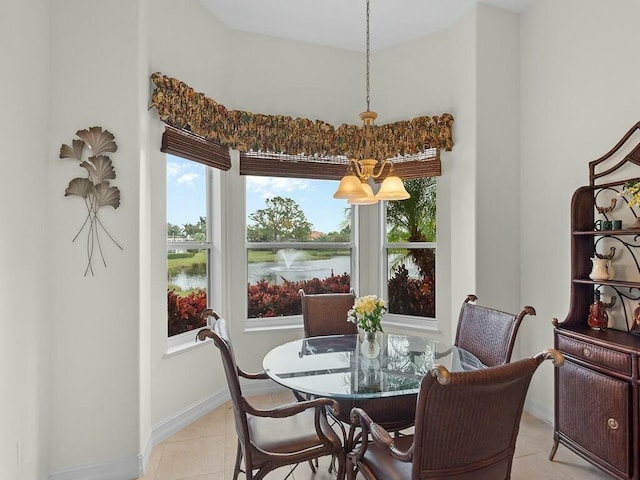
(635, 328)
(598, 318)
(632, 190)
(602, 269)
(95, 189)
(609, 209)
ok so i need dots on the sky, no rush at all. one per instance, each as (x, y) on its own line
(186, 195)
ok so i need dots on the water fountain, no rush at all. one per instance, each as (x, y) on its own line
(288, 256)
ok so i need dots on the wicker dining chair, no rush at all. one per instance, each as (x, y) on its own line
(466, 426)
(487, 333)
(326, 313)
(282, 435)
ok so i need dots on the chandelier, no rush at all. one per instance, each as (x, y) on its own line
(355, 186)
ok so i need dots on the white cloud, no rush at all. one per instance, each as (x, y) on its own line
(265, 185)
(187, 179)
(174, 169)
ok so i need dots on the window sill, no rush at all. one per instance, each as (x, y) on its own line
(292, 323)
(418, 324)
(273, 324)
(184, 343)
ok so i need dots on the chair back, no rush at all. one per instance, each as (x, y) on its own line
(487, 333)
(326, 313)
(467, 423)
(222, 340)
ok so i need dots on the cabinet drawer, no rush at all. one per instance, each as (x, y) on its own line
(605, 357)
(594, 410)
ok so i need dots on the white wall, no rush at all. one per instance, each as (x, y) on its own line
(497, 160)
(196, 56)
(462, 168)
(578, 97)
(26, 316)
(96, 54)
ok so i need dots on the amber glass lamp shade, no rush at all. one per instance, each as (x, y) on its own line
(366, 199)
(392, 188)
(350, 187)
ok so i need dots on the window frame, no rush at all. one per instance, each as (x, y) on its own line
(213, 201)
(410, 322)
(293, 321)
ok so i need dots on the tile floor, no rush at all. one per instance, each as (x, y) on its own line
(205, 450)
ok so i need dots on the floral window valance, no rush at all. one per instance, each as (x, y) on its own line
(179, 105)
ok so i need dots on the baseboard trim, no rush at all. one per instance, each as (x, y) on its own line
(122, 468)
(188, 415)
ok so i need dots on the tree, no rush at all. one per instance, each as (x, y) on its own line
(345, 226)
(196, 232)
(173, 231)
(414, 220)
(282, 220)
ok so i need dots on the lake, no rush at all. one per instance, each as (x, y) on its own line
(274, 272)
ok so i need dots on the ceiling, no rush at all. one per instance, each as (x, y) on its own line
(341, 23)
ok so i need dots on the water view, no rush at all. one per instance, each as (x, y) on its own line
(287, 268)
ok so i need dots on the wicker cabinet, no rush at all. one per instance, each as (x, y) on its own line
(597, 404)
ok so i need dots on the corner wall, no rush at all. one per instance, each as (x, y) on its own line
(24, 293)
(497, 160)
(97, 393)
(579, 95)
(462, 170)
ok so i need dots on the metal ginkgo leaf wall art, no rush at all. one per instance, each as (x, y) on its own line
(95, 188)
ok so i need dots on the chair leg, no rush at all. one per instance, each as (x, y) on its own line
(342, 465)
(236, 470)
(351, 470)
(313, 464)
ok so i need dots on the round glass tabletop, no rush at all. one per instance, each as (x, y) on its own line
(348, 366)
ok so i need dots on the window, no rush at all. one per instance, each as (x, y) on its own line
(410, 246)
(189, 243)
(297, 237)
(193, 167)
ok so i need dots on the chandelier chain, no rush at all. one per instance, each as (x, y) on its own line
(368, 62)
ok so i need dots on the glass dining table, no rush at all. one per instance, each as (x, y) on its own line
(384, 381)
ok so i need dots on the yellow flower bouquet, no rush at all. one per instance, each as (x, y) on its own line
(367, 313)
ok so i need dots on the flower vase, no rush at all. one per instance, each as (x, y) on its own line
(370, 347)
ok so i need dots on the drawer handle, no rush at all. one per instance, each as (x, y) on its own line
(586, 352)
(613, 424)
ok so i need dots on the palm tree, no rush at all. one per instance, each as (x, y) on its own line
(345, 224)
(414, 220)
(173, 231)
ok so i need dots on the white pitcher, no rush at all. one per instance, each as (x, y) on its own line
(602, 269)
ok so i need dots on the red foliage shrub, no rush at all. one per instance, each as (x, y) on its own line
(411, 296)
(184, 312)
(406, 296)
(269, 300)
